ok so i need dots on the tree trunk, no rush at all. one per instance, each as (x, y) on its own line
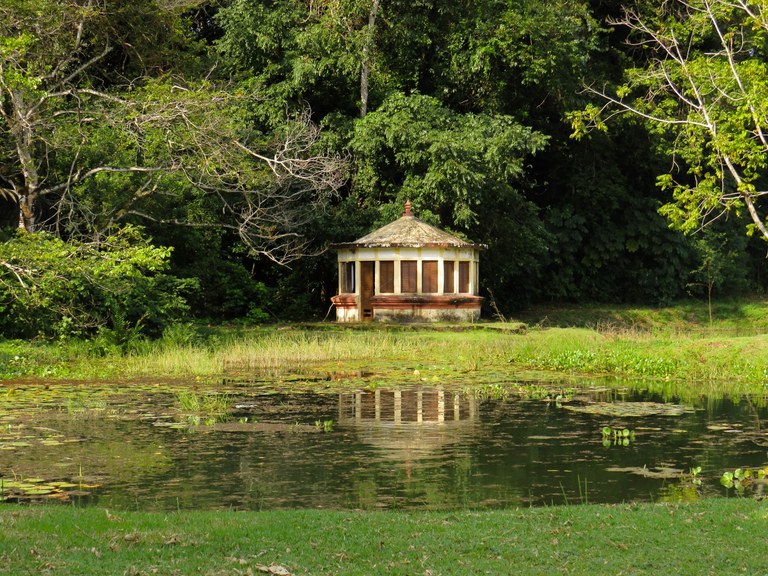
(22, 133)
(27, 213)
(366, 67)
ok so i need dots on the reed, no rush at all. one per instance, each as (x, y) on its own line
(568, 351)
(172, 361)
(265, 351)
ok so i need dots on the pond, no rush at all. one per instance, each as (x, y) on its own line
(164, 447)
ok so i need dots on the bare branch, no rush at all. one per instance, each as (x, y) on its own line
(82, 68)
(719, 100)
(159, 140)
(627, 107)
(17, 271)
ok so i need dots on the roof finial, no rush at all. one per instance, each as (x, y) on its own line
(407, 208)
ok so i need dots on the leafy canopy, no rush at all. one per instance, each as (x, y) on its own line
(701, 83)
(455, 164)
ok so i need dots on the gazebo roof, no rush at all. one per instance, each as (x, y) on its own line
(409, 232)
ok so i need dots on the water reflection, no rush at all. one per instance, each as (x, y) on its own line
(408, 425)
(427, 447)
(377, 407)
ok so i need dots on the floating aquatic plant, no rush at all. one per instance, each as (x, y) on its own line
(525, 391)
(629, 409)
(742, 480)
(617, 436)
(325, 425)
(207, 408)
(686, 489)
(31, 488)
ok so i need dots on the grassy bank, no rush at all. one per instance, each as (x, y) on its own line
(676, 345)
(711, 537)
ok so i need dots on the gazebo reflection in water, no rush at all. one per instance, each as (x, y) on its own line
(412, 427)
(407, 407)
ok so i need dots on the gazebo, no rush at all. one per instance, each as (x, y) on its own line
(408, 270)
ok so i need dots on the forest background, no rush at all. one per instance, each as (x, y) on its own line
(173, 159)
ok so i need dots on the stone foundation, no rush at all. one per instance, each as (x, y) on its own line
(427, 315)
(412, 307)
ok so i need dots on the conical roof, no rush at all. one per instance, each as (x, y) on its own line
(409, 232)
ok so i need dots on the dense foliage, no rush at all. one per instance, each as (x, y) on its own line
(118, 286)
(246, 135)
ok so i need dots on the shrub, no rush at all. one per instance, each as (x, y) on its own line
(115, 286)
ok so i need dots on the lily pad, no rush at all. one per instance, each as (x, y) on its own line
(63, 485)
(661, 472)
(629, 409)
(39, 491)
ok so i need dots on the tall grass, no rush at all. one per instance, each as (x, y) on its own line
(300, 349)
(264, 352)
(649, 344)
(160, 359)
(454, 355)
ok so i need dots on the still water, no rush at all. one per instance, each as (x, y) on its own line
(160, 447)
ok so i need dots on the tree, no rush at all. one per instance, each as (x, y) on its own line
(577, 218)
(701, 82)
(463, 171)
(320, 53)
(365, 66)
(89, 149)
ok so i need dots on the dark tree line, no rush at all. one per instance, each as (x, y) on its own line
(247, 135)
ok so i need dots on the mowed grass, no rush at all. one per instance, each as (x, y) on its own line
(712, 537)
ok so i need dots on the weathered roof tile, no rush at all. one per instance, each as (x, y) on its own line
(409, 232)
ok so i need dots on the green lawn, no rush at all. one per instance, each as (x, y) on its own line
(719, 536)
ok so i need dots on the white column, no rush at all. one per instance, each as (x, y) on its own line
(440, 274)
(455, 276)
(358, 276)
(418, 275)
(477, 277)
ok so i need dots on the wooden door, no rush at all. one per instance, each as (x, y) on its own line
(367, 287)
